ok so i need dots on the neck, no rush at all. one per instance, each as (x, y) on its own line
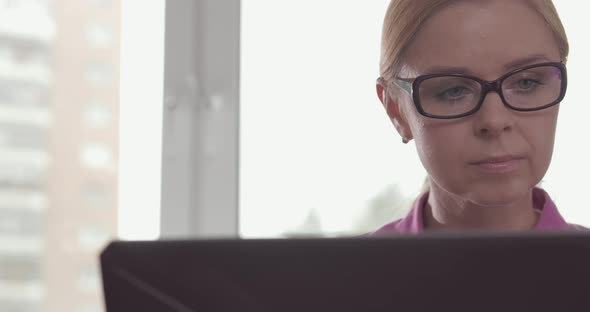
(446, 211)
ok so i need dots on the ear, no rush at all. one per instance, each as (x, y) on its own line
(392, 107)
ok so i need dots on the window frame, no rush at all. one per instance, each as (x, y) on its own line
(200, 134)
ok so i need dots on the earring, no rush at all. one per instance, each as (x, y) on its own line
(405, 140)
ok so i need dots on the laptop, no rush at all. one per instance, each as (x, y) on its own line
(430, 272)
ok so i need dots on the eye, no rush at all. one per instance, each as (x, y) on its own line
(454, 92)
(526, 84)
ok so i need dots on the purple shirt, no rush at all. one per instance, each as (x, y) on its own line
(413, 222)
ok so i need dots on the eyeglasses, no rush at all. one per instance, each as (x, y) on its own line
(448, 96)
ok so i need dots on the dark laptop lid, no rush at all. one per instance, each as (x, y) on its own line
(445, 272)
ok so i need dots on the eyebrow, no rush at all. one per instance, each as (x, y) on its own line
(531, 59)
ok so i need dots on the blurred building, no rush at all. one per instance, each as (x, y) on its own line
(59, 65)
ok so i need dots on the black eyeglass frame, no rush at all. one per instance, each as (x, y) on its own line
(412, 85)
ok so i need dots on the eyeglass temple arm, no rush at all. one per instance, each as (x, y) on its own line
(406, 85)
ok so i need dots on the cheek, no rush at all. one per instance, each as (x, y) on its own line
(541, 138)
(439, 147)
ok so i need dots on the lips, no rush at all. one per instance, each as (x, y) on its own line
(498, 164)
(497, 160)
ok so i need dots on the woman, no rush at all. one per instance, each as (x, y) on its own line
(477, 86)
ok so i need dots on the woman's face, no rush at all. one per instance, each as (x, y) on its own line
(486, 39)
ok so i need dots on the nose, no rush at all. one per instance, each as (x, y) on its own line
(493, 118)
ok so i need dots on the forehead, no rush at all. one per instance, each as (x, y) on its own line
(482, 37)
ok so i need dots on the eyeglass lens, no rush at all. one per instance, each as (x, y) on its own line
(528, 89)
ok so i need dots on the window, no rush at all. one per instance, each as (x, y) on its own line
(92, 238)
(316, 147)
(20, 268)
(24, 169)
(95, 196)
(77, 166)
(22, 199)
(318, 154)
(97, 115)
(89, 279)
(96, 156)
(23, 135)
(19, 222)
(99, 36)
(565, 179)
(99, 73)
(23, 93)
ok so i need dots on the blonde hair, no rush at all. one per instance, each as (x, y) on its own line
(404, 18)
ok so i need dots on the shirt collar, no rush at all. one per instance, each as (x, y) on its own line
(550, 218)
